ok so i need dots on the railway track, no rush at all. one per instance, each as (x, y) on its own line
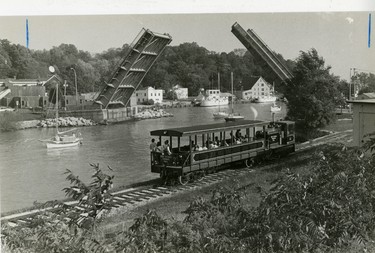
(133, 197)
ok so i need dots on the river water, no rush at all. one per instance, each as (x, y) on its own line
(30, 172)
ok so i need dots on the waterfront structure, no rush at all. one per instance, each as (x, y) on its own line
(25, 96)
(363, 120)
(258, 89)
(150, 93)
(179, 92)
(213, 98)
(126, 78)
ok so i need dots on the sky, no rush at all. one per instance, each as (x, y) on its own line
(340, 37)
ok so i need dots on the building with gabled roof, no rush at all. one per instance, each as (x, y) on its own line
(256, 88)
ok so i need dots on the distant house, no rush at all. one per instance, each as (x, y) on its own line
(256, 88)
(363, 119)
(180, 92)
(147, 94)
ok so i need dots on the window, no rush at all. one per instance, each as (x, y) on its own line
(159, 94)
(262, 89)
(23, 103)
(262, 93)
(80, 101)
(145, 94)
(262, 84)
(136, 94)
(150, 94)
(67, 101)
(143, 99)
(139, 100)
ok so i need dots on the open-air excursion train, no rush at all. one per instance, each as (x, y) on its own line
(197, 150)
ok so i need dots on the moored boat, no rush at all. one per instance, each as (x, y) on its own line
(269, 99)
(275, 107)
(62, 139)
(213, 98)
(220, 115)
(234, 117)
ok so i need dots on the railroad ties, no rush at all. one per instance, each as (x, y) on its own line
(132, 197)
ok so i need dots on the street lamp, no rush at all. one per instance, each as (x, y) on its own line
(75, 81)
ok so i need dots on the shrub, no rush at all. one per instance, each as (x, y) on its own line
(66, 229)
(328, 208)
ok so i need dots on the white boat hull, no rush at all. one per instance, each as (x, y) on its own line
(232, 117)
(220, 115)
(59, 144)
(214, 102)
(275, 109)
(265, 100)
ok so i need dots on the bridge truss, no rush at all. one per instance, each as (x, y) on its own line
(143, 52)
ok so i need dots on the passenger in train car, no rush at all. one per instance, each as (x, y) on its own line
(217, 141)
(193, 146)
(153, 145)
(238, 134)
(158, 147)
(246, 138)
(166, 149)
(224, 143)
(158, 152)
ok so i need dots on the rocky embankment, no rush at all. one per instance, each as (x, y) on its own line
(62, 122)
(66, 122)
(152, 114)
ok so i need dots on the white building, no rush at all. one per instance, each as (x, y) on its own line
(257, 88)
(149, 93)
(363, 120)
(180, 92)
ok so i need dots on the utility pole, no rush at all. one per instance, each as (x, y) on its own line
(75, 81)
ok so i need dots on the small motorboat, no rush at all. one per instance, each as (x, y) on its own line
(220, 115)
(234, 117)
(275, 108)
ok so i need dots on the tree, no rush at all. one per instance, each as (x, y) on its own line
(312, 93)
(363, 82)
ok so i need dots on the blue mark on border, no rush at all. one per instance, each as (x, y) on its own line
(27, 33)
(369, 30)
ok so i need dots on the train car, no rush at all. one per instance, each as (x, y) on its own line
(196, 150)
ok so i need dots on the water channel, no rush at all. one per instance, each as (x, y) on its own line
(29, 172)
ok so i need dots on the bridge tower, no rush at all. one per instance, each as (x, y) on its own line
(143, 52)
(259, 48)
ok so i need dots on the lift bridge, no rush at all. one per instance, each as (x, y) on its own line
(142, 54)
(259, 48)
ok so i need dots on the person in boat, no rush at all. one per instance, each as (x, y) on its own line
(153, 145)
(166, 149)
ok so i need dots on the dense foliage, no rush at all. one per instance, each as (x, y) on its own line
(313, 93)
(331, 207)
(188, 65)
(363, 82)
